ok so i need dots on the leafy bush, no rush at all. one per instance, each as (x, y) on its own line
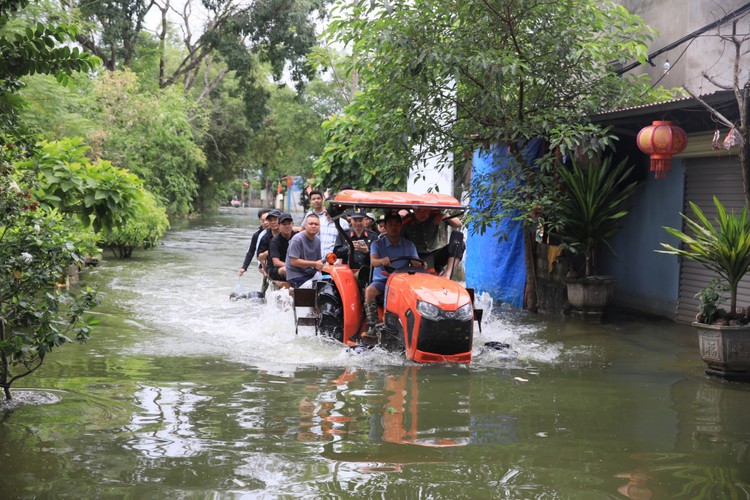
(144, 230)
(36, 247)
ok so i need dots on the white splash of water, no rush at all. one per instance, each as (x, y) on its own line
(181, 296)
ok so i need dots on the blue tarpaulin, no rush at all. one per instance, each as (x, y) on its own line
(494, 265)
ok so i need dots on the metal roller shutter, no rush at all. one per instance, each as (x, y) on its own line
(704, 178)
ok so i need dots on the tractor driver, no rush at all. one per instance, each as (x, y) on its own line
(382, 252)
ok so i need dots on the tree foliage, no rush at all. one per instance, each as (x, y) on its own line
(36, 249)
(152, 135)
(97, 192)
(37, 243)
(143, 230)
(41, 48)
(447, 77)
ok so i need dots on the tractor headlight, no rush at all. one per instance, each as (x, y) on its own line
(465, 312)
(434, 313)
(428, 310)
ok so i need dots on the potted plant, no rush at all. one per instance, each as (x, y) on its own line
(724, 336)
(589, 215)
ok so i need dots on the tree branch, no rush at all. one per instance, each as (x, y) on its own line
(710, 108)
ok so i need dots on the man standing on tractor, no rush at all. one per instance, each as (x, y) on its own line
(303, 258)
(383, 252)
(361, 238)
(328, 231)
(422, 227)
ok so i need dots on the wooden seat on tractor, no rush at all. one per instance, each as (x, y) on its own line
(478, 313)
(304, 297)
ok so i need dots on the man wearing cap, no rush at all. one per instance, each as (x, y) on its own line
(264, 244)
(278, 249)
(361, 239)
(262, 214)
(303, 258)
(369, 221)
(382, 253)
(380, 225)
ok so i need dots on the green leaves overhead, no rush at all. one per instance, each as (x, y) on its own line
(443, 77)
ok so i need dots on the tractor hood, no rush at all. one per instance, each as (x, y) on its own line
(441, 292)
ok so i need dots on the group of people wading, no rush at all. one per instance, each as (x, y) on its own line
(295, 255)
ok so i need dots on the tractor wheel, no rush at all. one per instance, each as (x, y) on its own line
(330, 311)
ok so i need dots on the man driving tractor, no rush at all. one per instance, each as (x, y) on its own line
(386, 251)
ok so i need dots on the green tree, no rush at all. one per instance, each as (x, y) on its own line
(36, 249)
(40, 48)
(448, 77)
(143, 230)
(97, 193)
(36, 241)
(152, 135)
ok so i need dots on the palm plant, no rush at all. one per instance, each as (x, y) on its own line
(723, 248)
(591, 211)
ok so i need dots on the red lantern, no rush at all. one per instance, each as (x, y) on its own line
(661, 140)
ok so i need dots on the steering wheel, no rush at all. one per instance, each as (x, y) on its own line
(390, 269)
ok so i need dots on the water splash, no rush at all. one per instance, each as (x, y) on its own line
(180, 293)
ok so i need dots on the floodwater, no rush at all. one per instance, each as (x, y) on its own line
(182, 393)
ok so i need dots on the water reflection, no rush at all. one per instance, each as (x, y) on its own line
(406, 415)
(165, 427)
(710, 423)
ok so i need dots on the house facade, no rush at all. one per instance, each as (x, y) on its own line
(687, 53)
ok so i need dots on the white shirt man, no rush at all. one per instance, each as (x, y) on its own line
(328, 232)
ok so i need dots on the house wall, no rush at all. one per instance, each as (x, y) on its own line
(648, 281)
(675, 19)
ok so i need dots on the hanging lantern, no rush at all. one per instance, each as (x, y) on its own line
(661, 140)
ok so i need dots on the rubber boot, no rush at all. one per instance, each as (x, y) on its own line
(371, 310)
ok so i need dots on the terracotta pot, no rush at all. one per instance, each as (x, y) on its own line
(725, 350)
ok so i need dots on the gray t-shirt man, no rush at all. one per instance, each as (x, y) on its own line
(302, 247)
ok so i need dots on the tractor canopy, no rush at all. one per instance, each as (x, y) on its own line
(391, 200)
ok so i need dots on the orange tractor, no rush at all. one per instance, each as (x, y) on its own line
(429, 317)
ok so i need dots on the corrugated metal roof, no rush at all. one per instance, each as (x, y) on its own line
(655, 104)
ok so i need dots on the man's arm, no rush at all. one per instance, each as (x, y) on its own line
(297, 262)
(341, 248)
(453, 221)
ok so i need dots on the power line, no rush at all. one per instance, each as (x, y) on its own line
(729, 17)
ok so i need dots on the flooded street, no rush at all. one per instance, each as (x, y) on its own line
(183, 393)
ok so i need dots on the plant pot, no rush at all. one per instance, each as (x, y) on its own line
(589, 296)
(725, 350)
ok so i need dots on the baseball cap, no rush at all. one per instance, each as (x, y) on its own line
(357, 214)
(285, 216)
(274, 213)
(371, 215)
